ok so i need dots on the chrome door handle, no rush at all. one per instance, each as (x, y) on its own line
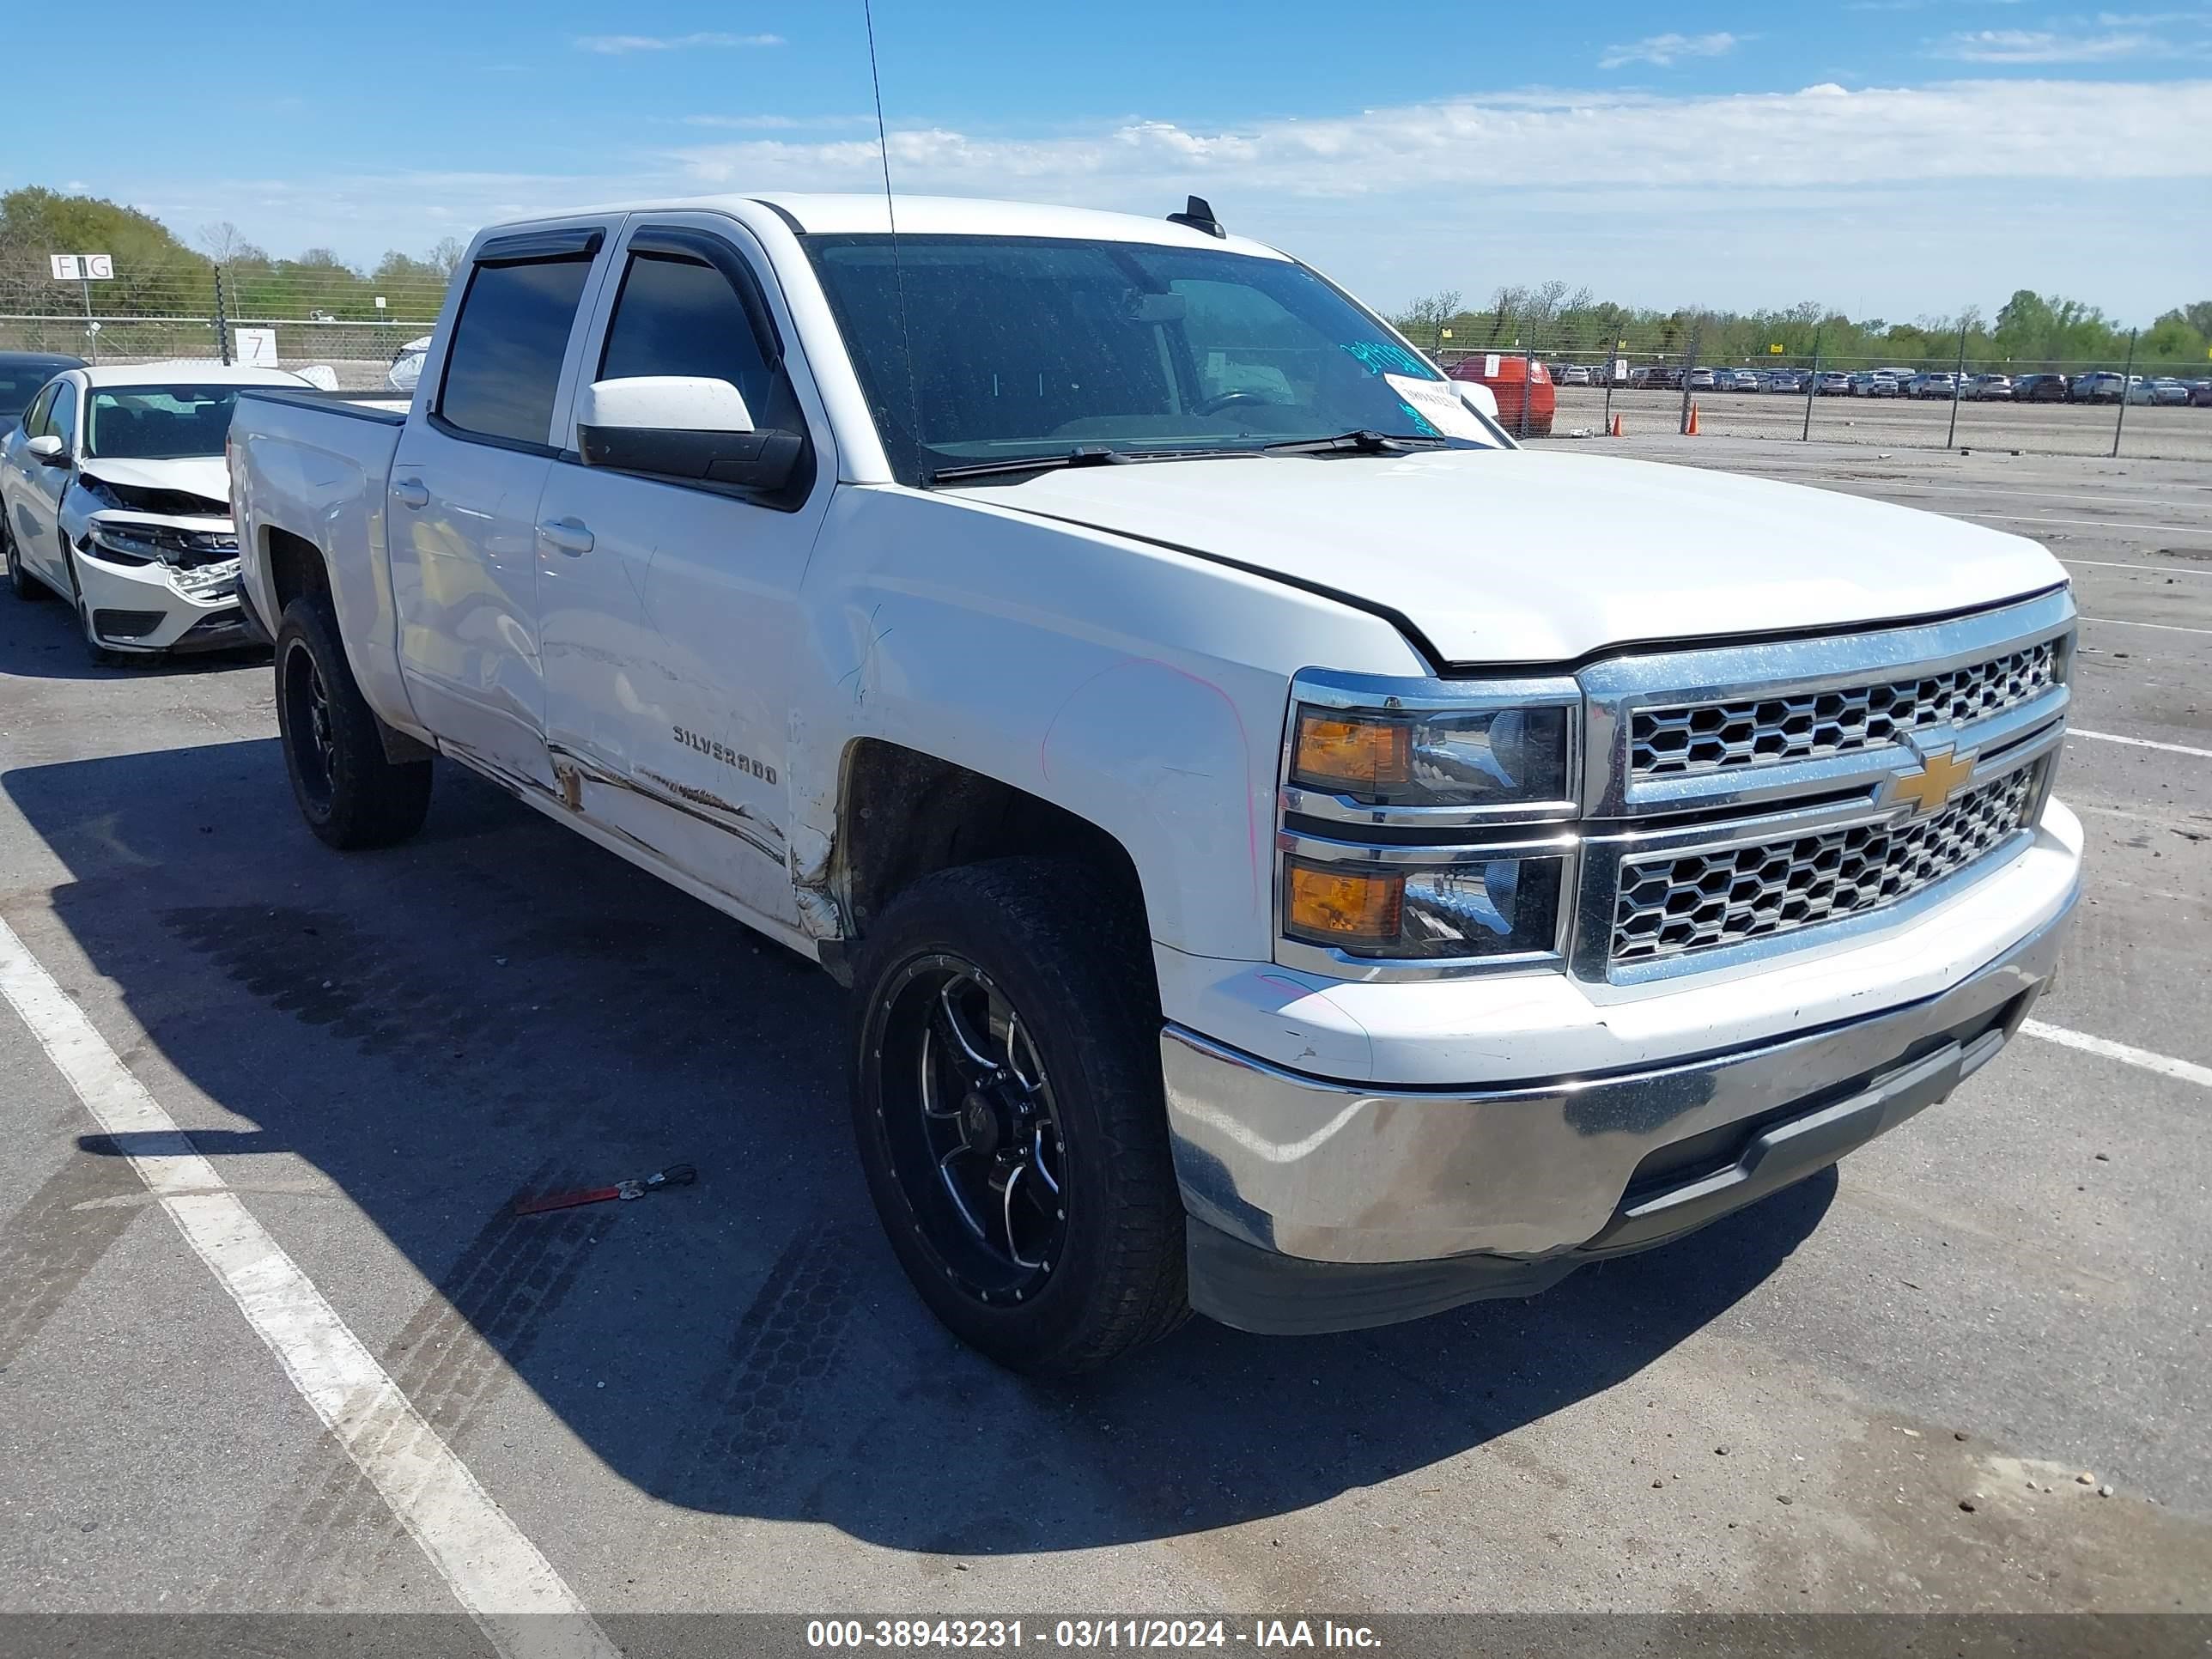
(567, 535)
(411, 492)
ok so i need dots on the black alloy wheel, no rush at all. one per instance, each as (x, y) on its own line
(1009, 1111)
(976, 1144)
(348, 786)
(307, 722)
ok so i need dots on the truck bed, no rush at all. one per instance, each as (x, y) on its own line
(313, 467)
(385, 406)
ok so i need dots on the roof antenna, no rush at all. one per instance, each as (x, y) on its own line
(1198, 213)
(891, 214)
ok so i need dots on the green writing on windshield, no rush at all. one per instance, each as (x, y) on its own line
(1386, 357)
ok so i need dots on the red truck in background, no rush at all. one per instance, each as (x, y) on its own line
(1511, 380)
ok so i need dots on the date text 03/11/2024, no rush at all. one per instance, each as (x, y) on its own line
(1084, 1634)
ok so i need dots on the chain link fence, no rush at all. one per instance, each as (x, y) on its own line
(1578, 386)
(359, 355)
(290, 317)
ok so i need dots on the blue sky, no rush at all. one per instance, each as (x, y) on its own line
(1890, 157)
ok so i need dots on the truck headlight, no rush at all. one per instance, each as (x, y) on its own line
(1472, 756)
(1506, 905)
(1427, 825)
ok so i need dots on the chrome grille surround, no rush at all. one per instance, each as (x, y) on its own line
(1626, 823)
(1676, 903)
(1712, 737)
(1633, 823)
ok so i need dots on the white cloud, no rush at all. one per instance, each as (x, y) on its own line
(1647, 198)
(1664, 50)
(2043, 46)
(1820, 136)
(615, 44)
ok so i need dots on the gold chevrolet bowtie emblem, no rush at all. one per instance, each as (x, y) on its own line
(1939, 778)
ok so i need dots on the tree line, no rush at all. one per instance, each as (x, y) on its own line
(2030, 330)
(157, 273)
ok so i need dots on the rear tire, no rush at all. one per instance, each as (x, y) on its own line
(1022, 959)
(350, 794)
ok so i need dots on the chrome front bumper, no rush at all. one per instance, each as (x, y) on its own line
(1380, 1188)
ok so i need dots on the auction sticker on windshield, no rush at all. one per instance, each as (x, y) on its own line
(1437, 403)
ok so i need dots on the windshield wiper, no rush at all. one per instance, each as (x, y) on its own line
(1096, 455)
(1360, 442)
(1082, 455)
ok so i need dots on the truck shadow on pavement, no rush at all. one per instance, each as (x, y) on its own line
(499, 1009)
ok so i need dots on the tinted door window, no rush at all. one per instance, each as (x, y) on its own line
(61, 422)
(504, 367)
(34, 417)
(679, 316)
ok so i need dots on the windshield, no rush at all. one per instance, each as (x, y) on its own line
(1034, 347)
(158, 422)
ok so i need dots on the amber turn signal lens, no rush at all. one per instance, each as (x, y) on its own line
(1345, 750)
(1342, 906)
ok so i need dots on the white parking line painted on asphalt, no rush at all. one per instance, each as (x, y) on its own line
(2164, 1065)
(522, 1605)
(2094, 524)
(2161, 569)
(2139, 743)
(2164, 628)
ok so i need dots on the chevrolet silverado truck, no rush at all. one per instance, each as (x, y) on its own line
(1277, 871)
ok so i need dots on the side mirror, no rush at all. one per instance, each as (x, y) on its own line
(1478, 397)
(682, 426)
(49, 450)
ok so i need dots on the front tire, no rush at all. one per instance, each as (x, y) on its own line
(20, 582)
(1006, 1099)
(350, 794)
(101, 656)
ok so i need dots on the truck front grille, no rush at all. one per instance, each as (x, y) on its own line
(1680, 902)
(1681, 740)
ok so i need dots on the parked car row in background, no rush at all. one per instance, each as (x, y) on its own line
(2091, 387)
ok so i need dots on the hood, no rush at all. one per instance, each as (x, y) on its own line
(207, 476)
(1526, 556)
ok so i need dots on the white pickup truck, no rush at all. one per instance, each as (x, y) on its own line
(1295, 854)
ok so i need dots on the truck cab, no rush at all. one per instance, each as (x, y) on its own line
(1279, 871)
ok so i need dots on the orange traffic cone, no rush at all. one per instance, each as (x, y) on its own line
(1690, 430)
(1616, 427)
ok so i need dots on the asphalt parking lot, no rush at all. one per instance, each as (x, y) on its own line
(725, 1397)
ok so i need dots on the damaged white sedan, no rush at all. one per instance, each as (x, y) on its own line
(115, 494)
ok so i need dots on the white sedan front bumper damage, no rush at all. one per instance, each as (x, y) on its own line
(158, 583)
